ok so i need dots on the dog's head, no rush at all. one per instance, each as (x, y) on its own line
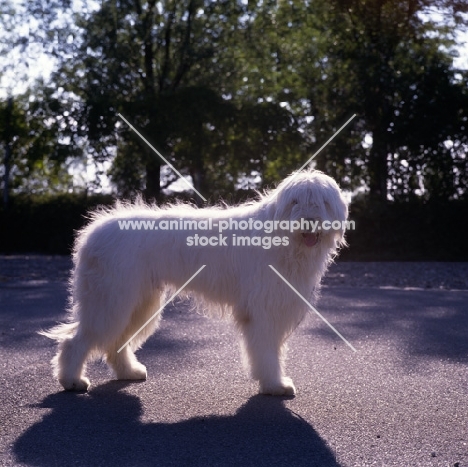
(314, 200)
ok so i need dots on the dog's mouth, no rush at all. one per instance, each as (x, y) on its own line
(310, 239)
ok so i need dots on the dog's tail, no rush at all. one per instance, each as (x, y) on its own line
(61, 332)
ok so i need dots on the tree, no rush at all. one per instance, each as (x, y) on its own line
(380, 59)
(134, 57)
(171, 68)
(39, 153)
(233, 91)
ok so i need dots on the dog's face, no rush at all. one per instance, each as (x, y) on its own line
(314, 200)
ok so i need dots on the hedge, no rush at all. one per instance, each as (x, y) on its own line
(411, 231)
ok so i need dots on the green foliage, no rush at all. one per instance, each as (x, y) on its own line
(382, 61)
(170, 69)
(238, 94)
(39, 157)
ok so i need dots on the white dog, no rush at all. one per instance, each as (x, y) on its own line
(121, 275)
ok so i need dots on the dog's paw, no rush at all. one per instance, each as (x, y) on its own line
(75, 384)
(136, 372)
(283, 388)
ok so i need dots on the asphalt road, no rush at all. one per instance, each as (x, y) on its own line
(400, 400)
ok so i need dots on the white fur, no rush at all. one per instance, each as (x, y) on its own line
(120, 279)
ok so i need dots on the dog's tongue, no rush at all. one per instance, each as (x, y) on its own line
(310, 239)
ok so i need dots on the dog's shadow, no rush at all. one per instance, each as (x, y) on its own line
(103, 428)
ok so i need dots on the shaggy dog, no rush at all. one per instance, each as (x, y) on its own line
(122, 273)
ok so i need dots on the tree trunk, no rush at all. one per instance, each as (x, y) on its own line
(7, 158)
(6, 180)
(378, 170)
(153, 175)
(199, 182)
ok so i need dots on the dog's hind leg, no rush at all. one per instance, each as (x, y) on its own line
(70, 363)
(264, 349)
(124, 363)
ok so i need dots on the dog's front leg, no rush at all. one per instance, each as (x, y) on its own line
(265, 352)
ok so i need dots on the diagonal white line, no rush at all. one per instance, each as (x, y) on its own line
(159, 311)
(312, 308)
(326, 144)
(162, 157)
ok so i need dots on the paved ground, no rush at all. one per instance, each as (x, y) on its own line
(401, 400)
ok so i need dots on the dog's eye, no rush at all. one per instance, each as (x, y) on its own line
(294, 201)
